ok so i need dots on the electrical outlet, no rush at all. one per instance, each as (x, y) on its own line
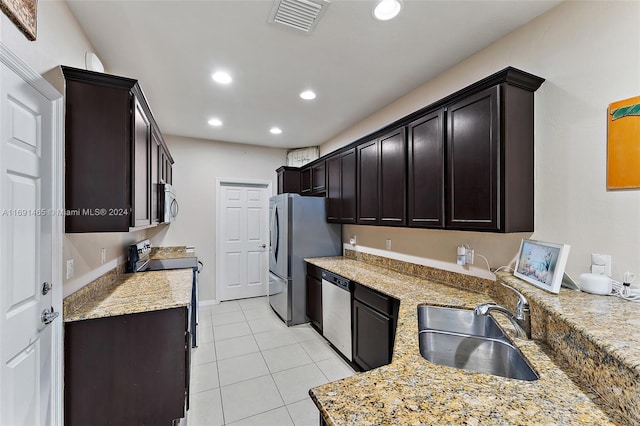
(353, 240)
(103, 255)
(387, 244)
(601, 264)
(69, 268)
(461, 258)
(469, 255)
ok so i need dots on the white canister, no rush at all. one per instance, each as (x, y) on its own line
(595, 284)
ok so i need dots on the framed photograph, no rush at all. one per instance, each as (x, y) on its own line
(23, 13)
(542, 264)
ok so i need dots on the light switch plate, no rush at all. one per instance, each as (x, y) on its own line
(69, 268)
(103, 255)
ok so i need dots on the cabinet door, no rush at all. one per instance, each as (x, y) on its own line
(318, 179)
(305, 180)
(426, 171)
(472, 161)
(156, 196)
(371, 337)
(127, 369)
(288, 180)
(368, 201)
(141, 170)
(393, 175)
(98, 160)
(334, 192)
(348, 169)
(162, 166)
(314, 301)
(169, 171)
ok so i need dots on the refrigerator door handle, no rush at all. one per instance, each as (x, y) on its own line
(276, 221)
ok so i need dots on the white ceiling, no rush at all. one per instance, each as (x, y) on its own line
(356, 64)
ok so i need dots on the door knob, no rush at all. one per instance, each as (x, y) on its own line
(48, 316)
(264, 246)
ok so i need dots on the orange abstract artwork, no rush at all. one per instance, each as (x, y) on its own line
(623, 147)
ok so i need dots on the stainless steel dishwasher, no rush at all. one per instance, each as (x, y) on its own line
(336, 312)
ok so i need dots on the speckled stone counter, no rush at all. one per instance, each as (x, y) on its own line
(130, 294)
(172, 252)
(413, 391)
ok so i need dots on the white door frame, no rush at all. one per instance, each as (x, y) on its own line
(233, 181)
(41, 85)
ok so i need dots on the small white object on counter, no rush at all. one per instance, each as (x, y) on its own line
(595, 284)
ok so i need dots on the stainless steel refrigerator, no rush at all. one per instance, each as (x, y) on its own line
(298, 229)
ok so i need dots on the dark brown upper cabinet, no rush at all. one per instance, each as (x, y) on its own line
(110, 154)
(382, 173)
(305, 181)
(115, 156)
(318, 178)
(425, 177)
(464, 162)
(393, 177)
(161, 167)
(156, 195)
(368, 189)
(341, 187)
(490, 161)
(165, 166)
(141, 167)
(312, 179)
(288, 180)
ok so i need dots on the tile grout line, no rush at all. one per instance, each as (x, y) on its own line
(270, 373)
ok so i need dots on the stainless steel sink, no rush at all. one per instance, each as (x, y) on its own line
(457, 320)
(479, 354)
(460, 338)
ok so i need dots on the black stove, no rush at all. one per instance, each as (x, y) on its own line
(173, 263)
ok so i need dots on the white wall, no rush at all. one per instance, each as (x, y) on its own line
(61, 41)
(198, 163)
(589, 54)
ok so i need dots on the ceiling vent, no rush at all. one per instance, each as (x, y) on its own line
(302, 15)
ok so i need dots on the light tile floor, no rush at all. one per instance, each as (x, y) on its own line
(251, 369)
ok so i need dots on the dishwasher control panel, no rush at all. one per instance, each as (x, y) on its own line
(341, 282)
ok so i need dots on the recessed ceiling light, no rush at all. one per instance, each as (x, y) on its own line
(308, 95)
(275, 130)
(215, 122)
(221, 77)
(387, 9)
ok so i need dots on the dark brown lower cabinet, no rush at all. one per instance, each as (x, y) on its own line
(374, 325)
(314, 296)
(128, 369)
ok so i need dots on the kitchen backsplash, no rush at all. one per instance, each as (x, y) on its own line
(467, 282)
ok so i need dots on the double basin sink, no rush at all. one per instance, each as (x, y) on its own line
(462, 339)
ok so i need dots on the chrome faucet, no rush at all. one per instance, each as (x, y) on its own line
(521, 320)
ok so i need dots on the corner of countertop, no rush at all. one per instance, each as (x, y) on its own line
(78, 299)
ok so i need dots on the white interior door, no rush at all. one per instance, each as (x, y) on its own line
(242, 240)
(27, 234)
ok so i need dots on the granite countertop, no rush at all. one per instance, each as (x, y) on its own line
(173, 252)
(134, 293)
(412, 390)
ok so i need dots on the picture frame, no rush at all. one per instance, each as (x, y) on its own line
(23, 14)
(542, 264)
(623, 156)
